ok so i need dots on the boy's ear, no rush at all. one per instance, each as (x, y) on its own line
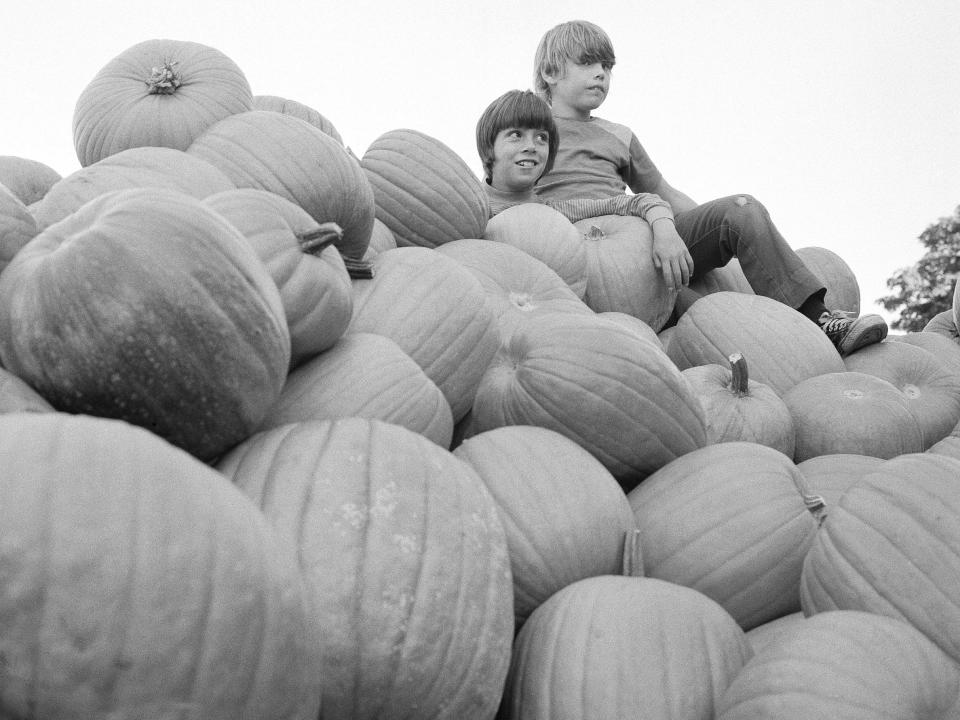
(548, 77)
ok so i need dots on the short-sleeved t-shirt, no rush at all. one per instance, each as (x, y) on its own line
(597, 158)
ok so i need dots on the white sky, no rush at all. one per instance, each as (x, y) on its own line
(842, 116)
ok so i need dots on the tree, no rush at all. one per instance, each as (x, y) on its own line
(923, 290)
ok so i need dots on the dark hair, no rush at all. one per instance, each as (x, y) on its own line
(515, 109)
(577, 40)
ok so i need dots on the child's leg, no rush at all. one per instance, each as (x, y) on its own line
(739, 226)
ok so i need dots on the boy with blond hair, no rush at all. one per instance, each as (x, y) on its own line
(599, 158)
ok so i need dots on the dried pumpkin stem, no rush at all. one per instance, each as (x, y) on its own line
(164, 80)
(814, 503)
(632, 554)
(314, 242)
(595, 233)
(740, 383)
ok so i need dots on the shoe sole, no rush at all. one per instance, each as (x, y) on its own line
(867, 335)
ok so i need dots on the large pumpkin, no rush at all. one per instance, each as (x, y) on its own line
(147, 306)
(300, 256)
(598, 383)
(784, 347)
(891, 546)
(437, 312)
(845, 664)
(564, 514)
(620, 273)
(141, 167)
(405, 561)
(298, 110)
(843, 289)
(547, 235)
(17, 226)
(26, 178)
(369, 376)
(17, 396)
(733, 521)
(290, 157)
(623, 647)
(136, 582)
(156, 93)
(425, 193)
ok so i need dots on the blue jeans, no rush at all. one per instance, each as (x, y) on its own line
(739, 226)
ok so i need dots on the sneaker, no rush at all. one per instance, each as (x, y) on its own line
(850, 334)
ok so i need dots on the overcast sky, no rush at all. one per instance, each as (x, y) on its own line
(842, 116)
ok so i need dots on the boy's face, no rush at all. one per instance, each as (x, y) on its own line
(519, 158)
(579, 88)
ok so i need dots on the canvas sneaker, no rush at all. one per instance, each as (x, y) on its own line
(850, 334)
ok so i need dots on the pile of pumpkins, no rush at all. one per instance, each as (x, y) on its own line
(291, 433)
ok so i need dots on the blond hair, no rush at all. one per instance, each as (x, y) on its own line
(577, 40)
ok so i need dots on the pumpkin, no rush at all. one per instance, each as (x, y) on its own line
(733, 521)
(381, 238)
(26, 178)
(136, 582)
(517, 284)
(773, 631)
(844, 664)
(943, 323)
(601, 385)
(620, 272)
(405, 561)
(784, 347)
(425, 193)
(142, 167)
(159, 92)
(843, 290)
(296, 109)
(364, 375)
(437, 312)
(941, 346)
(635, 325)
(564, 514)
(891, 546)
(623, 647)
(738, 408)
(288, 156)
(728, 277)
(547, 235)
(851, 412)
(949, 446)
(17, 396)
(300, 256)
(829, 476)
(17, 226)
(147, 306)
(930, 386)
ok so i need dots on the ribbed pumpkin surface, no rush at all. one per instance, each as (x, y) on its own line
(369, 376)
(851, 412)
(314, 283)
(829, 476)
(599, 384)
(405, 560)
(437, 312)
(425, 193)
(564, 514)
(845, 664)
(730, 521)
(783, 346)
(122, 107)
(843, 290)
(547, 235)
(26, 178)
(891, 546)
(298, 110)
(136, 582)
(17, 226)
(619, 271)
(290, 157)
(142, 167)
(623, 647)
(930, 386)
(147, 306)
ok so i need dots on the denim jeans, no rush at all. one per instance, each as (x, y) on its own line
(739, 226)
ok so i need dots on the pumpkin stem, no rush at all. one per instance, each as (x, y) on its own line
(358, 269)
(740, 383)
(814, 503)
(594, 234)
(314, 242)
(164, 80)
(632, 554)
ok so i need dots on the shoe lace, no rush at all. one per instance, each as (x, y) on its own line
(835, 321)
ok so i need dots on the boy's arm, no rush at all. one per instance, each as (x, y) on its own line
(642, 205)
(680, 202)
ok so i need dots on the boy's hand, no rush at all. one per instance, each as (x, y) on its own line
(670, 255)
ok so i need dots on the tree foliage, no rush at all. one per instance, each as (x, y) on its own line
(923, 290)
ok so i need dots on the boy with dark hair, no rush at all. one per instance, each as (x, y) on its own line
(599, 158)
